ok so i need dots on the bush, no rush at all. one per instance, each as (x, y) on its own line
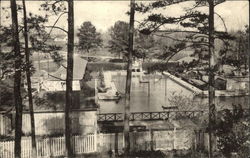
(106, 66)
(147, 154)
(117, 60)
(159, 66)
(149, 66)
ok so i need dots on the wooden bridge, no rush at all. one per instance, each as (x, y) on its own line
(148, 116)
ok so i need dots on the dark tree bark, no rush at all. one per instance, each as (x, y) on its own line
(28, 75)
(128, 79)
(17, 80)
(248, 53)
(69, 78)
(211, 97)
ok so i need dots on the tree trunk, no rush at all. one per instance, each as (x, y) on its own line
(69, 79)
(128, 79)
(248, 53)
(17, 80)
(211, 97)
(27, 58)
(87, 54)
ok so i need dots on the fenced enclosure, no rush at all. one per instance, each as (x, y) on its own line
(147, 140)
(5, 124)
(167, 140)
(49, 147)
(49, 122)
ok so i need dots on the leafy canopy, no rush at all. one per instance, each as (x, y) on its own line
(193, 24)
(89, 38)
(118, 44)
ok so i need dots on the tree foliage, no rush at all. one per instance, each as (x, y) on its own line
(232, 131)
(118, 44)
(193, 25)
(89, 38)
(40, 40)
(237, 52)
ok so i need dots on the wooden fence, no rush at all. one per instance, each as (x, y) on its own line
(5, 124)
(147, 140)
(179, 139)
(50, 147)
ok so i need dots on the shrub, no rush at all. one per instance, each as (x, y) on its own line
(149, 66)
(117, 60)
(106, 66)
(159, 66)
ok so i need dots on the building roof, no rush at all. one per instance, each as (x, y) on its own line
(78, 70)
(53, 86)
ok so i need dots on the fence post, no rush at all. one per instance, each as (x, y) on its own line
(99, 142)
(116, 143)
(95, 141)
(151, 140)
(174, 138)
(1, 125)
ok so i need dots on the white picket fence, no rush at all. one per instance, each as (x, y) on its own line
(5, 125)
(48, 147)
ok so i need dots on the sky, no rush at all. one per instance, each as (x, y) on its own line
(103, 14)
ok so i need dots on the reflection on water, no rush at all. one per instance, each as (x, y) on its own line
(150, 97)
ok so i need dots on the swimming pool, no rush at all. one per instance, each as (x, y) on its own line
(160, 91)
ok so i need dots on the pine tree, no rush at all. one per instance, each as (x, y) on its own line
(17, 80)
(128, 79)
(69, 78)
(28, 76)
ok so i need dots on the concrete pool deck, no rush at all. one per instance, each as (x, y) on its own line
(203, 93)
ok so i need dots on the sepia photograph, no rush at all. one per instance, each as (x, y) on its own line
(124, 79)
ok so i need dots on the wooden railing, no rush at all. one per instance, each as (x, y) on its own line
(148, 116)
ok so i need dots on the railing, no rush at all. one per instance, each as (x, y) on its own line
(148, 116)
(50, 147)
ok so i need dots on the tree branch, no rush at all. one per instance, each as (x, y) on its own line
(223, 21)
(53, 26)
(175, 39)
(183, 31)
(56, 77)
(188, 46)
(56, 27)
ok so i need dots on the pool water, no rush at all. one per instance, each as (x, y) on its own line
(160, 91)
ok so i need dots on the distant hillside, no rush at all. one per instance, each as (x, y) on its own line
(181, 55)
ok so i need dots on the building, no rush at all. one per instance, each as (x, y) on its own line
(57, 81)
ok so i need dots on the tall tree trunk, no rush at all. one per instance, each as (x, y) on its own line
(211, 97)
(27, 59)
(128, 79)
(87, 54)
(238, 56)
(69, 78)
(17, 80)
(248, 53)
